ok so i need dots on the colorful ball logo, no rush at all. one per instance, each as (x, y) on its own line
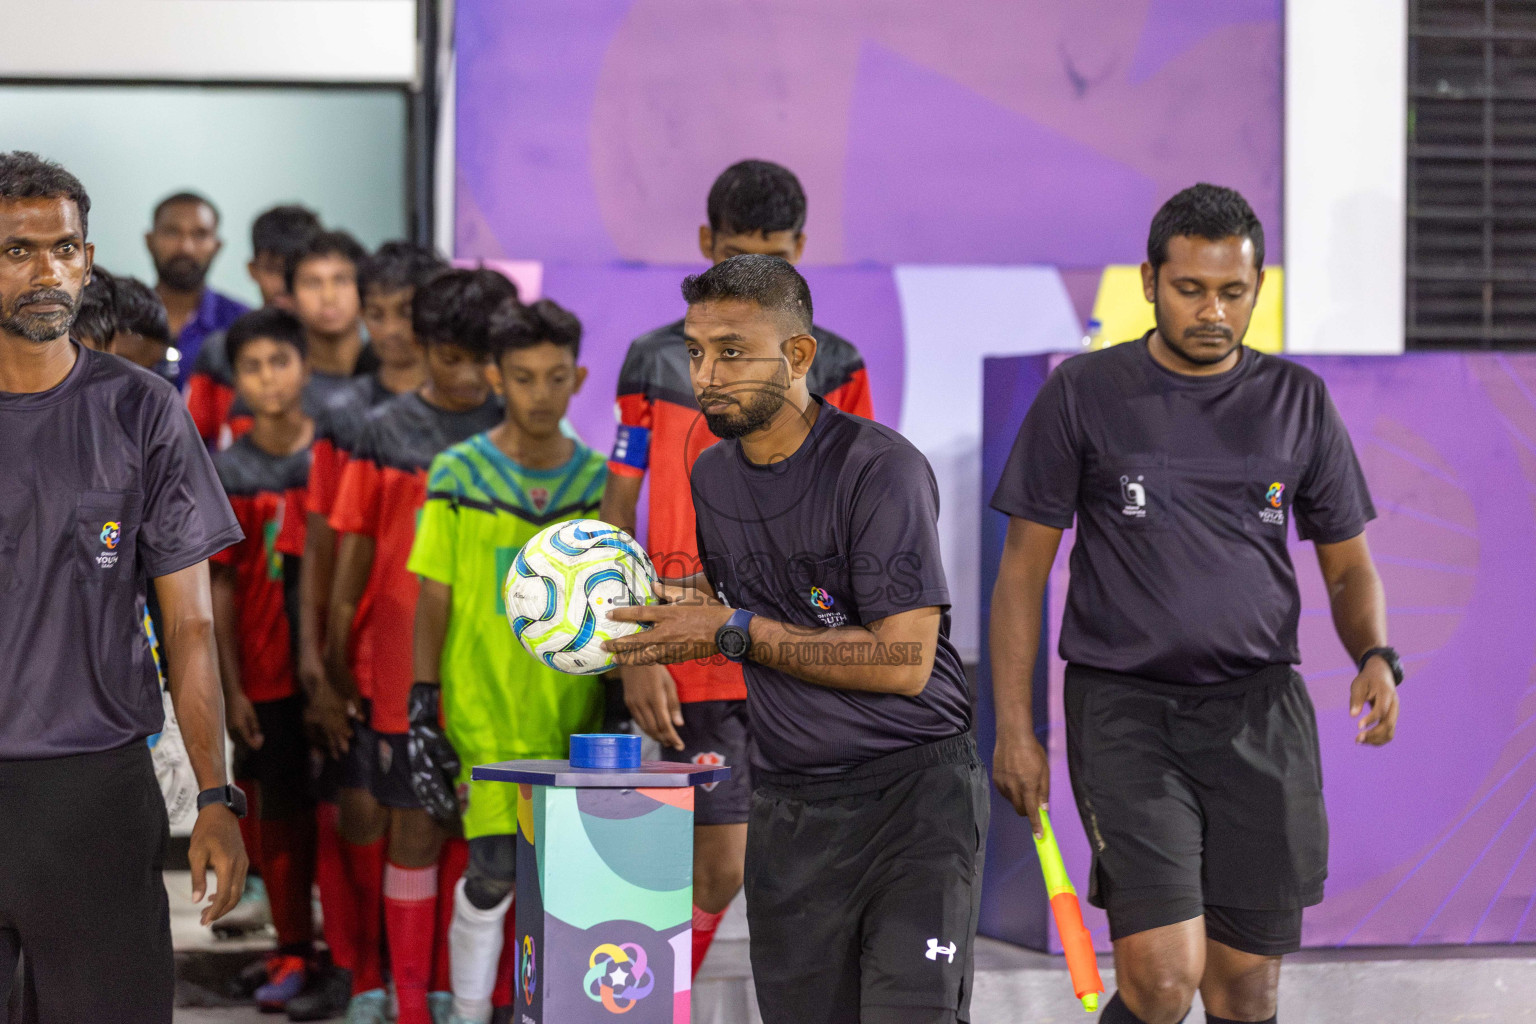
(1276, 490)
(111, 533)
(820, 598)
(617, 976)
(527, 972)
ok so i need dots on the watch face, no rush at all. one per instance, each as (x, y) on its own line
(732, 641)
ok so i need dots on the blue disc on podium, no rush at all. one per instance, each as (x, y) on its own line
(610, 750)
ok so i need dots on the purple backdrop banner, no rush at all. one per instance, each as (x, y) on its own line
(1045, 131)
(1433, 836)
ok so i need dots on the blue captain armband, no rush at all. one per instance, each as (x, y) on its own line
(632, 447)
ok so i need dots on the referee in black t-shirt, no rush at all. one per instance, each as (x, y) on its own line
(1191, 742)
(819, 532)
(106, 486)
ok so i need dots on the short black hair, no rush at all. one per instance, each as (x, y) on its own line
(140, 311)
(283, 230)
(756, 197)
(326, 243)
(184, 197)
(514, 326)
(398, 265)
(96, 316)
(1204, 211)
(278, 325)
(769, 281)
(26, 175)
(455, 307)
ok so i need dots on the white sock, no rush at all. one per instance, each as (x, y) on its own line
(474, 949)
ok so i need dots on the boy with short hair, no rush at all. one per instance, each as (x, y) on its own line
(351, 865)
(382, 488)
(486, 497)
(275, 234)
(96, 321)
(261, 474)
(143, 334)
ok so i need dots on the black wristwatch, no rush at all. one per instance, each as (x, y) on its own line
(1388, 655)
(230, 796)
(734, 638)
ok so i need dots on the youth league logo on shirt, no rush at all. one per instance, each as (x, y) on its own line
(1133, 496)
(1273, 511)
(825, 610)
(111, 534)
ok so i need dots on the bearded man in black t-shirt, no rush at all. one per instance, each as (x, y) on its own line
(1191, 740)
(818, 531)
(107, 489)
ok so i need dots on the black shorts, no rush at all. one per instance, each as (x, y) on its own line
(492, 869)
(863, 889)
(281, 767)
(717, 732)
(1200, 800)
(353, 770)
(81, 890)
(390, 772)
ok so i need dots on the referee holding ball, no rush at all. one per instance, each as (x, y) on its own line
(1191, 741)
(106, 486)
(818, 529)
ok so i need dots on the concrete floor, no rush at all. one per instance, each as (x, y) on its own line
(1437, 985)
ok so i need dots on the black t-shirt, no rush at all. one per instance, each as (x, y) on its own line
(1184, 489)
(106, 486)
(843, 532)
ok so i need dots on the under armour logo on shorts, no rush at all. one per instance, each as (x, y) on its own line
(934, 949)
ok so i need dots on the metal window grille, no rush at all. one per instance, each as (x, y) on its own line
(1472, 174)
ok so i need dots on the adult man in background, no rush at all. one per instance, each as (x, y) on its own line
(1191, 740)
(183, 240)
(753, 207)
(107, 486)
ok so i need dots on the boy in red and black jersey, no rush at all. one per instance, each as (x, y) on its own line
(275, 235)
(351, 859)
(754, 207)
(264, 474)
(382, 489)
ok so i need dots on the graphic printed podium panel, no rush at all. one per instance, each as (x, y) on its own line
(604, 890)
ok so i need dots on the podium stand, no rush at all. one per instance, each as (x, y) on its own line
(604, 885)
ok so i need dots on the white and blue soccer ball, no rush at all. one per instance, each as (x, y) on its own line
(562, 585)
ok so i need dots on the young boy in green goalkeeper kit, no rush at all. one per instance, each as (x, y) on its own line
(486, 498)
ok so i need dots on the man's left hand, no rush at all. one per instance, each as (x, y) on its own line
(1375, 693)
(216, 843)
(682, 628)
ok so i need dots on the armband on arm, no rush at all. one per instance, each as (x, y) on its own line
(632, 447)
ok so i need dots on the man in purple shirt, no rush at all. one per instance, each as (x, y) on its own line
(108, 492)
(183, 240)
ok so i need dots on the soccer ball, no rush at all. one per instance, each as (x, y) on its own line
(562, 584)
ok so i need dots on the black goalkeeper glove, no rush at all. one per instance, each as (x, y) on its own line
(433, 761)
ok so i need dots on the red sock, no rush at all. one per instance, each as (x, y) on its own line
(288, 867)
(365, 872)
(704, 925)
(450, 868)
(338, 903)
(506, 968)
(410, 920)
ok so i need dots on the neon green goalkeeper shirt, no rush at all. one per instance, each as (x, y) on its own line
(499, 702)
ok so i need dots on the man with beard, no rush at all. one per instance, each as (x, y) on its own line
(698, 711)
(183, 240)
(107, 486)
(819, 532)
(1191, 740)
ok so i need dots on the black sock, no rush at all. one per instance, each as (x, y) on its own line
(1116, 1012)
(1211, 1018)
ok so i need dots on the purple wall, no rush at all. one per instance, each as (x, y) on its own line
(1433, 836)
(925, 132)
